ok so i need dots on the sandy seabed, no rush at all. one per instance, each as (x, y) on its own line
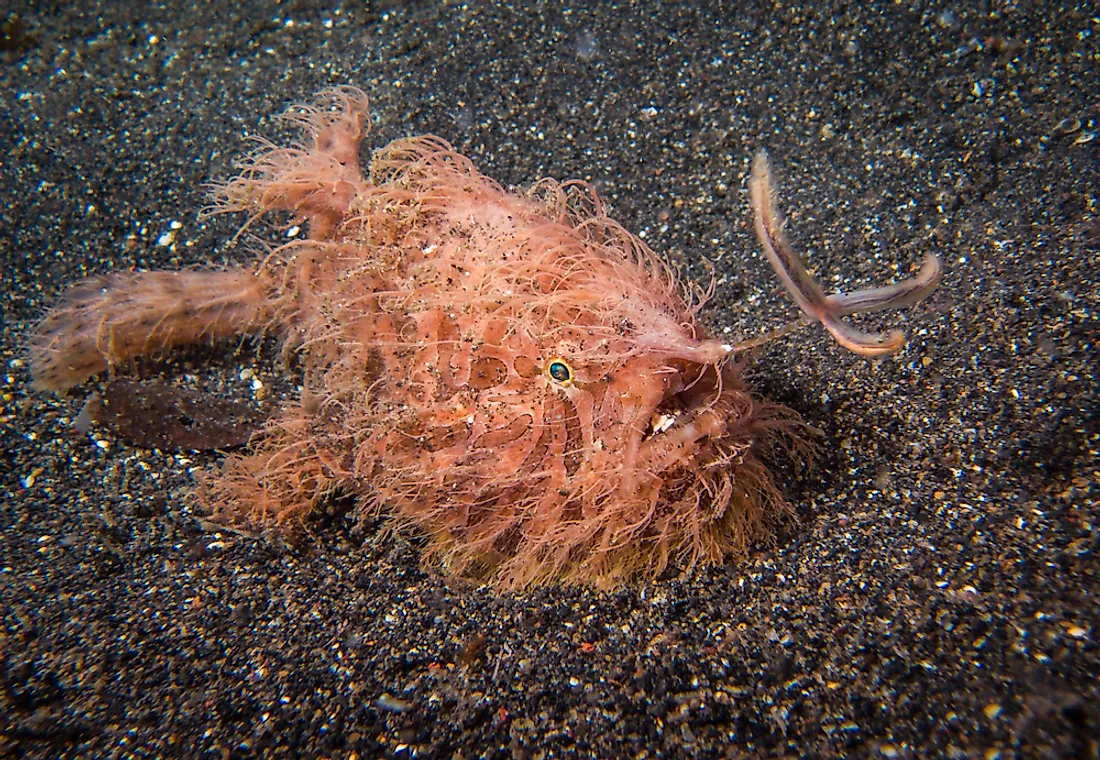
(937, 598)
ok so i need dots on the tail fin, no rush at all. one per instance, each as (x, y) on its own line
(111, 319)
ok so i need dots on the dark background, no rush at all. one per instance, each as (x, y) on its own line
(939, 597)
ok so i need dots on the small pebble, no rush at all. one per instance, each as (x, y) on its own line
(390, 703)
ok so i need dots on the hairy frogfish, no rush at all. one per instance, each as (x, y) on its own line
(510, 375)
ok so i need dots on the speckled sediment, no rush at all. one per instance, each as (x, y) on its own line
(939, 597)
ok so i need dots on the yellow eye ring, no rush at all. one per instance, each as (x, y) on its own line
(560, 372)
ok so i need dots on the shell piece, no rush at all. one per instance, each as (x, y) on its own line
(514, 376)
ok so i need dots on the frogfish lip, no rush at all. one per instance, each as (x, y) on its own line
(696, 373)
(694, 389)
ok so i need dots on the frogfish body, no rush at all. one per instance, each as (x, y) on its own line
(512, 375)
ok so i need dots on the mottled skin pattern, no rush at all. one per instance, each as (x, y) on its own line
(513, 375)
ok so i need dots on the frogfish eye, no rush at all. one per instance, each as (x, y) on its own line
(560, 372)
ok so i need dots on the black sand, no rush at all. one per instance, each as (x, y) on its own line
(940, 597)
